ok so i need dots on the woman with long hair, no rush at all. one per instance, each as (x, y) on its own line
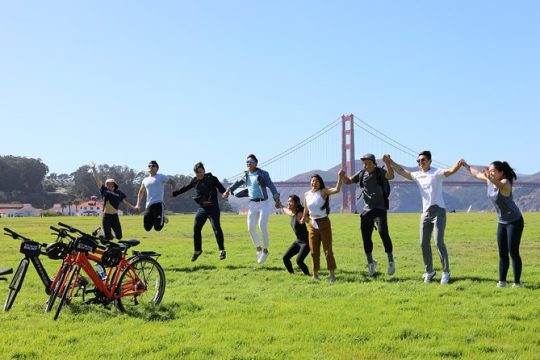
(300, 246)
(316, 210)
(500, 177)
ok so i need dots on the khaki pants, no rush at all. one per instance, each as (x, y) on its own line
(316, 236)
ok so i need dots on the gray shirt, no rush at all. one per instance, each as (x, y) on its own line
(371, 190)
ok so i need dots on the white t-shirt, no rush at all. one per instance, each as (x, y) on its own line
(155, 188)
(430, 184)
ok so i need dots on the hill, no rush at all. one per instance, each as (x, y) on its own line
(405, 197)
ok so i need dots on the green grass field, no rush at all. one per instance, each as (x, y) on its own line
(237, 309)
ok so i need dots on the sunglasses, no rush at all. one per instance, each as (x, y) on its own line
(421, 160)
(151, 165)
(248, 162)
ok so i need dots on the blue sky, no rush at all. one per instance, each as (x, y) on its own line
(124, 82)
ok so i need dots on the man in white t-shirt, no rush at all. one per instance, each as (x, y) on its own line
(154, 184)
(430, 181)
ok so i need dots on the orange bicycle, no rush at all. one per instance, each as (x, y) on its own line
(130, 283)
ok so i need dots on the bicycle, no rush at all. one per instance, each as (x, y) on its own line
(128, 283)
(31, 250)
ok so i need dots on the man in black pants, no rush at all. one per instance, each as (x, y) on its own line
(154, 184)
(206, 187)
(371, 180)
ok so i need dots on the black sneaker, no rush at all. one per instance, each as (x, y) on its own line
(222, 254)
(196, 254)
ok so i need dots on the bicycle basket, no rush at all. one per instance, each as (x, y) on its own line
(85, 244)
(56, 251)
(111, 257)
(30, 248)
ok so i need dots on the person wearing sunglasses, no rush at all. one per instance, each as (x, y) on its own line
(154, 185)
(430, 180)
(206, 187)
(256, 181)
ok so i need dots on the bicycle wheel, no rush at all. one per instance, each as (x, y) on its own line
(66, 291)
(16, 283)
(56, 286)
(142, 284)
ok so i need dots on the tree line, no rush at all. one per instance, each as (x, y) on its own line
(25, 180)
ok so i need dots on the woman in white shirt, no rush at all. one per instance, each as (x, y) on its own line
(316, 210)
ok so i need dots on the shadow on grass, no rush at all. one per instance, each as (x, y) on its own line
(191, 268)
(164, 312)
(255, 268)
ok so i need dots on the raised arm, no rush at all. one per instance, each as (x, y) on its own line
(398, 168)
(474, 172)
(454, 168)
(96, 175)
(335, 190)
(389, 168)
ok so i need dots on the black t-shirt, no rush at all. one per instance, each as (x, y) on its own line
(113, 197)
(371, 190)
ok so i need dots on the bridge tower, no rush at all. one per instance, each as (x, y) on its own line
(348, 192)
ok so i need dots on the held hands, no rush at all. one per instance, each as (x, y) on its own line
(387, 159)
(225, 195)
(341, 174)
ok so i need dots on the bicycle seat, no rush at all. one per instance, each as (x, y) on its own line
(129, 243)
(6, 271)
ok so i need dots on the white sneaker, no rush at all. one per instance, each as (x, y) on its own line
(520, 285)
(445, 279)
(371, 268)
(391, 268)
(428, 276)
(263, 257)
(259, 254)
(502, 284)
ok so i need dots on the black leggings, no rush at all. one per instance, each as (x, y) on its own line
(300, 248)
(508, 239)
(111, 222)
(204, 213)
(154, 216)
(367, 224)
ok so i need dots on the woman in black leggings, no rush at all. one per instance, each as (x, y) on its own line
(300, 246)
(499, 178)
(206, 187)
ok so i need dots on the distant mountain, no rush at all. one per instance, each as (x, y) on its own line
(406, 198)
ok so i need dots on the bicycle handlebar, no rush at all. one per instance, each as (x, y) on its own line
(61, 232)
(70, 228)
(14, 235)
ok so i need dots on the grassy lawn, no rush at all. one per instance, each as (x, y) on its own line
(237, 309)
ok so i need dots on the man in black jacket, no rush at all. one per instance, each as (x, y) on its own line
(206, 187)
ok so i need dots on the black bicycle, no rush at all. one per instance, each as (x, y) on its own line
(32, 250)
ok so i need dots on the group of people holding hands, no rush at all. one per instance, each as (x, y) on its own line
(309, 215)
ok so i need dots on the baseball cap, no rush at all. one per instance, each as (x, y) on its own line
(369, 156)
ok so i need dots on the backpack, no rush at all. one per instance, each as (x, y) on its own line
(382, 181)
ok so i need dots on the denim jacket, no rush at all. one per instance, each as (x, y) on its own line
(263, 180)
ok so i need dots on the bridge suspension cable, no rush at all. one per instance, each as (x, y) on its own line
(389, 141)
(293, 148)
